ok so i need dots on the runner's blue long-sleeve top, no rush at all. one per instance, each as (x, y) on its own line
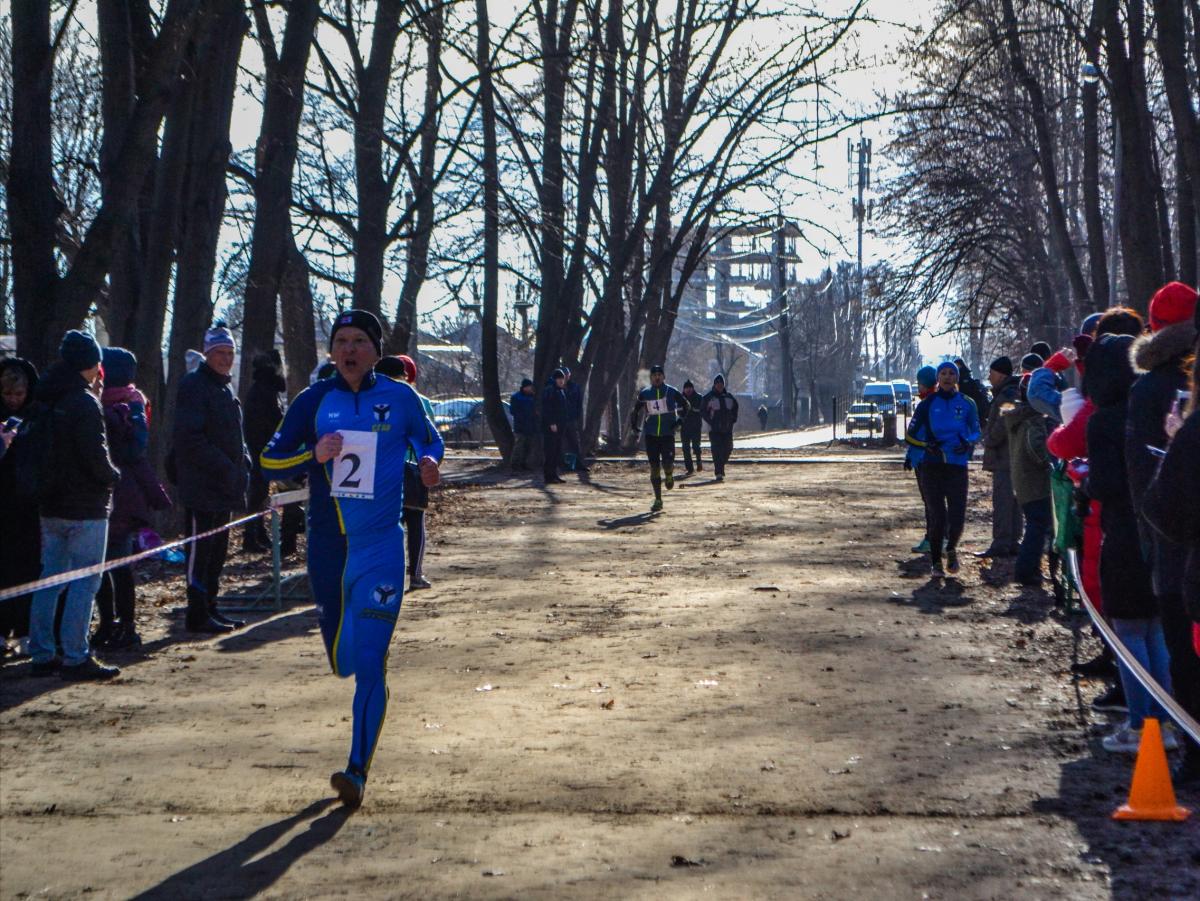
(946, 426)
(362, 491)
(663, 408)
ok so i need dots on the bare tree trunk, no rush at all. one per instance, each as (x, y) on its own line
(1059, 230)
(497, 421)
(1139, 228)
(122, 60)
(190, 198)
(556, 60)
(1092, 210)
(137, 157)
(297, 318)
(374, 195)
(32, 206)
(1186, 223)
(404, 334)
(275, 157)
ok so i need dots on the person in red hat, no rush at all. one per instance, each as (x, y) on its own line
(416, 495)
(1160, 358)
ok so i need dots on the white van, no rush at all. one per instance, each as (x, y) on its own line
(882, 395)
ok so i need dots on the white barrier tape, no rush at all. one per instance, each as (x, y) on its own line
(283, 498)
(1169, 704)
(278, 501)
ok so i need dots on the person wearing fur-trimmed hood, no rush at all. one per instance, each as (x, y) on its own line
(1160, 359)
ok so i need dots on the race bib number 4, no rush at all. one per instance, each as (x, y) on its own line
(657, 407)
(354, 469)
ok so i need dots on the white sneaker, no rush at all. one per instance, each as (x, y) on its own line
(1125, 740)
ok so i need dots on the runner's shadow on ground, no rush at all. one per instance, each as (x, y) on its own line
(638, 519)
(234, 873)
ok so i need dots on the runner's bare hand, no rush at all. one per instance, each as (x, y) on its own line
(328, 447)
(430, 473)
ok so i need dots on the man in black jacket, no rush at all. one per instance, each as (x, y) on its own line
(554, 423)
(720, 410)
(264, 412)
(970, 386)
(1007, 519)
(75, 486)
(213, 469)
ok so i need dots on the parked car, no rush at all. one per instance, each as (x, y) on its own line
(461, 422)
(864, 418)
(904, 395)
(882, 395)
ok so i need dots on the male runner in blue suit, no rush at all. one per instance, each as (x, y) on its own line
(351, 434)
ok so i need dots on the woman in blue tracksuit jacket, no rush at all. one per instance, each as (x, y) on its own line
(945, 427)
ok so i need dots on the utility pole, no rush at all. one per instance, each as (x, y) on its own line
(861, 211)
(785, 338)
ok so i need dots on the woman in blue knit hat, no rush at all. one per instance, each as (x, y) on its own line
(946, 427)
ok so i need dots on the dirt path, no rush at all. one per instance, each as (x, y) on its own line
(749, 696)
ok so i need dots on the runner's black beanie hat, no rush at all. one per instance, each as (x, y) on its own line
(359, 319)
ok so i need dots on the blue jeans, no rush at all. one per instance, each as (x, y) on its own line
(67, 544)
(1145, 640)
(1039, 518)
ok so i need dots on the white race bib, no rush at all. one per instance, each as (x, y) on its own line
(657, 407)
(354, 469)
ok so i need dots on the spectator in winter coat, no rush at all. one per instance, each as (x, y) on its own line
(914, 456)
(1030, 466)
(416, 495)
(573, 428)
(1006, 512)
(1046, 384)
(1124, 576)
(554, 423)
(1068, 443)
(1161, 359)
(720, 410)
(524, 413)
(1171, 504)
(137, 494)
(693, 427)
(946, 427)
(971, 387)
(264, 412)
(20, 532)
(75, 486)
(213, 471)
(763, 415)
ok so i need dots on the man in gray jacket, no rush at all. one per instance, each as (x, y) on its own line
(1007, 523)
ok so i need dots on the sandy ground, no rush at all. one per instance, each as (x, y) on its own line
(753, 695)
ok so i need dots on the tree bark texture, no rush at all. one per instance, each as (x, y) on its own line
(32, 206)
(275, 158)
(492, 409)
(404, 333)
(1059, 230)
(1141, 246)
(374, 194)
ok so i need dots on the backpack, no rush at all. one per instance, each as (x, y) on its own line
(34, 449)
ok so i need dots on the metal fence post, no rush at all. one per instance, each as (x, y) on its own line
(276, 557)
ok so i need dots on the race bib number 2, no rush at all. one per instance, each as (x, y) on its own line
(354, 469)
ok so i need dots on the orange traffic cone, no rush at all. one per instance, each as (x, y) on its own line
(1151, 796)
